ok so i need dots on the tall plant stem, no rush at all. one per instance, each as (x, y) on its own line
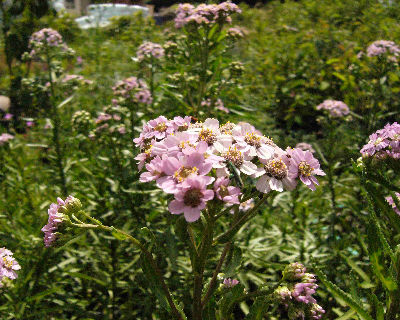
(56, 133)
(211, 287)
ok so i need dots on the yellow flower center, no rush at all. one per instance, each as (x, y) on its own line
(276, 168)
(305, 169)
(182, 173)
(235, 156)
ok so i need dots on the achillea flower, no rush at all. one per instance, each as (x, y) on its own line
(192, 197)
(381, 47)
(220, 106)
(5, 137)
(58, 213)
(230, 283)
(205, 13)
(294, 271)
(304, 166)
(246, 205)
(148, 50)
(275, 175)
(336, 109)
(8, 265)
(282, 293)
(235, 32)
(391, 202)
(225, 192)
(383, 143)
(44, 40)
(132, 90)
(303, 292)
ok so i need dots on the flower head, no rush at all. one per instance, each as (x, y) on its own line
(148, 50)
(8, 265)
(304, 166)
(391, 202)
(5, 137)
(336, 109)
(192, 197)
(230, 283)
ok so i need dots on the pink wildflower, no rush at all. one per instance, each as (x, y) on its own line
(304, 166)
(230, 283)
(391, 202)
(5, 137)
(225, 192)
(192, 197)
(8, 265)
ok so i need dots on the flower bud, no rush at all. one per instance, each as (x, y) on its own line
(294, 271)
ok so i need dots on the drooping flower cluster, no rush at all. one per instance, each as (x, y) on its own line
(381, 47)
(46, 39)
(148, 50)
(58, 213)
(393, 204)
(384, 143)
(132, 90)
(335, 109)
(5, 137)
(205, 13)
(297, 291)
(8, 265)
(194, 160)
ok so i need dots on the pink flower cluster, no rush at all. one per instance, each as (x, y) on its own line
(8, 117)
(384, 143)
(75, 79)
(8, 265)
(235, 32)
(132, 90)
(56, 218)
(150, 50)
(219, 105)
(5, 137)
(298, 291)
(193, 161)
(205, 13)
(305, 146)
(230, 283)
(336, 109)
(111, 123)
(44, 39)
(393, 204)
(381, 47)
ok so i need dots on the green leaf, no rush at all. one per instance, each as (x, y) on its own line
(258, 309)
(337, 292)
(234, 260)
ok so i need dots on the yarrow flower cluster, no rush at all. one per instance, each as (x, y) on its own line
(194, 160)
(393, 204)
(381, 47)
(59, 213)
(132, 90)
(218, 104)
(110, 121)
(5, 137)
(230, 283)
(46, 39)
(335, 109)
(149, 50)
(8, 265)
(384, 143)
(297, 293)
(205, 13)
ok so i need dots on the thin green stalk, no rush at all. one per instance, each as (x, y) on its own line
(56, 127)
(148, 256)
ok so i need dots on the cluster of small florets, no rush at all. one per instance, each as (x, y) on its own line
(46, 39)
(296, 294)
(205, 13)
(236, 69)
(110, 122)
(82, 121)
(8, 265)
(5, 138)
(384, 143)
(235, 33)
(218, 104)
(382, 47)
(59, 213)
(75, 79)
(132, 90)
(393, 204)
(193, 161)
(170, 48)
(335, 109)
(148, 50)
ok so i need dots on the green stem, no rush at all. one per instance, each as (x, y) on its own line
(56, 127)
(148, 256)
(211, 287)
